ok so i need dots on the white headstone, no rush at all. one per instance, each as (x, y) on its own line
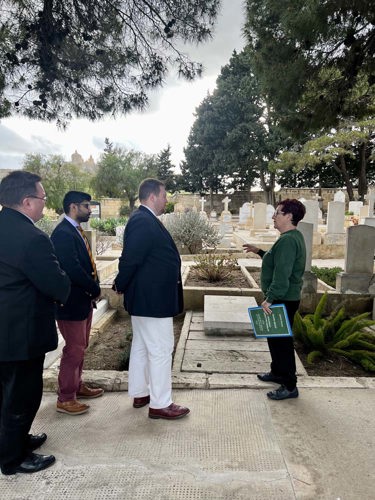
(269, 213)
(120, 234)
(339, 196)
(203, 201)
(335, 217)
(245, 213)
(312, 213)
(306, 228)
(226, 202)
(355, 206)
(213, 215)
(370, 197)
(260, 216)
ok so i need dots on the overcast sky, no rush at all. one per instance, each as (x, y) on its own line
(167, 120)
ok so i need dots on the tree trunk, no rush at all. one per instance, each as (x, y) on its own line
(268, 188)
(341, 168)
(362, 177)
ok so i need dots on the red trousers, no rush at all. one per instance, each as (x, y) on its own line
(76, 335)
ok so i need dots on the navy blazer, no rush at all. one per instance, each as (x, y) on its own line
(74, 259)
(31, 281)
(149, 268)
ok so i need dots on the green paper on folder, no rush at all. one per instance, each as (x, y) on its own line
(270, 325)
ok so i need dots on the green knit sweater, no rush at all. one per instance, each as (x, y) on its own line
(283, 266)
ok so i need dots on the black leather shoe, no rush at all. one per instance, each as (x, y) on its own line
(36, 441)
(32, 463)
(282, 393)
(269, 377)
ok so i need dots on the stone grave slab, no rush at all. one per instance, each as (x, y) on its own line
(226, 314)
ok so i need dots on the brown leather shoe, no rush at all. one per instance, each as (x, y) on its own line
(89, 393)
(72, 407)
(140, 402)
(170, 413)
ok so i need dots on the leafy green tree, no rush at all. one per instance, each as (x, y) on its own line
(202, 171)
(165, 169)
(348, 151)
(235, 134)
(91, 58)
(58, 177)
(315, 60)
(120, 171)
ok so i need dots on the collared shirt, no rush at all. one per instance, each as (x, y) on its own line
(74, 223)
(148, 208)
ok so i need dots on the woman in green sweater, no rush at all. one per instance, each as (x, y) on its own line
(281, 279)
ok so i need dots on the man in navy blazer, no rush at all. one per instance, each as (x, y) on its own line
(31, 281)
(150, 278)
(74, 319)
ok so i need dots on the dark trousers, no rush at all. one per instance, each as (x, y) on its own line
(282, 351)
(21, 389)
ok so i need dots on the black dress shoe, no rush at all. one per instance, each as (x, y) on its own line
(36, 441)
(269, 377)
(32, 463)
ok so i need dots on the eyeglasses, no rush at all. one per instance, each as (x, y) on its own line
(86, 205)
(44, 198)
(278, 212)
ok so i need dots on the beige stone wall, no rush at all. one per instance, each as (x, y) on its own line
(187, 200)
(110, 207)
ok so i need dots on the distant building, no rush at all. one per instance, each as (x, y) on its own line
(4, 172)
(88, 166)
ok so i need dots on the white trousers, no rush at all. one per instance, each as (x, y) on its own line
(150, 364)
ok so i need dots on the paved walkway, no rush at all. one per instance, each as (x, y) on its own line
(235, 444)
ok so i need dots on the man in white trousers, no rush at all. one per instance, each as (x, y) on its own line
(150, 278)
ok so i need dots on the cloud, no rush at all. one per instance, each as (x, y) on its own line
(167, 119)
(11, 142)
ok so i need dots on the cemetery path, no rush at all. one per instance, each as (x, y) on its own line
(235, 444)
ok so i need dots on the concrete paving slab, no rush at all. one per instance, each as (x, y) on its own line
(227, 314)
(226, 344)
(226, 449)
(328, 439)
(229, 361)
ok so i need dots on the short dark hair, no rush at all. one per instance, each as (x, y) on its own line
(16, 186)
(149, 186)
(74, 197)
(294, 207)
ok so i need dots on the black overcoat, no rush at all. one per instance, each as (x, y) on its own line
(31, 281)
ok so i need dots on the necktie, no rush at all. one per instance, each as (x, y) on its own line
(80, 229)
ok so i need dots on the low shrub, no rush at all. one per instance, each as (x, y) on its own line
(108, 226)
(192, 231)
(125, 211)
(46, 224)
(327, 274)
(169, 207)
(212, 267)
(336, 334)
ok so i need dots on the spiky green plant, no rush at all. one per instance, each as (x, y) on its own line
(336, 333)
(213, 267)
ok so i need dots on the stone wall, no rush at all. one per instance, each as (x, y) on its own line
(110, 207)
(238, 198)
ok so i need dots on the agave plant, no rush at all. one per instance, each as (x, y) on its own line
(336, 334)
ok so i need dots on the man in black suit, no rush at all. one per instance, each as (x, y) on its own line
(31, 280)
(150, 278)
(74, 319)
